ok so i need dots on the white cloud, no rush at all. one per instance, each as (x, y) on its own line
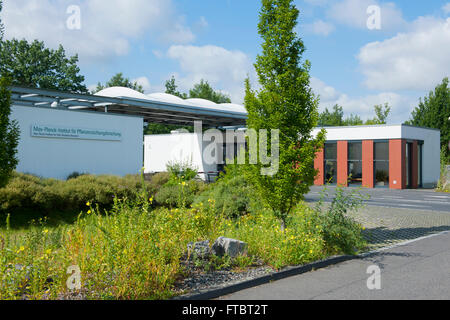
(144, 82)
(107, 26)
(225, 70)
(320, 27)
(417, 60)
(202, 23)
(353, 13)
(363, 106)
(446, 8)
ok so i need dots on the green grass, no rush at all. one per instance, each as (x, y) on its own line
(136, 251)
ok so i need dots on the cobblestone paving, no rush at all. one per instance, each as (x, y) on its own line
(388, 226)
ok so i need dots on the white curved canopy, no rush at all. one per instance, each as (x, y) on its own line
(121, 92)
(155, 107)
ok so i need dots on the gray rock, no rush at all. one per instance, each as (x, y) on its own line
(198, 250)
(231, 247)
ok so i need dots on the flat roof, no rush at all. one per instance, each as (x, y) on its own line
(376, 126)
(155, 108)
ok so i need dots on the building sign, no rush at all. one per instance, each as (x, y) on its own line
(50, 131)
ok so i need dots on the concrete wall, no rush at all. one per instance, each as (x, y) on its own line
(58, 157)
(160, 149)
(431, 152)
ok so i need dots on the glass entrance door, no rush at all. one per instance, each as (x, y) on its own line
(408, 160)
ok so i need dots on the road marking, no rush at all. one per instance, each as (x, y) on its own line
(411, 205)
(402, 243)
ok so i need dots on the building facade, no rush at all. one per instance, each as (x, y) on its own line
(394, 156)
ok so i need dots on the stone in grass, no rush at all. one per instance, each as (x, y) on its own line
(231, 247)
(198, 250)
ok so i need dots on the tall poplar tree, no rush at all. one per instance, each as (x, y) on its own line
(285, 102)
(9, 130)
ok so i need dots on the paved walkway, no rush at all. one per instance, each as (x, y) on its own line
(393, 216)
(387, 226)
(418, 270)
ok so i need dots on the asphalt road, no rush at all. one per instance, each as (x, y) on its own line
(417, 270)
(418, 199)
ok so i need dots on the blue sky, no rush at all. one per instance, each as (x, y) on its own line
(151, 40)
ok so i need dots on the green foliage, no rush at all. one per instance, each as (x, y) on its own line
(31, 192)
(340, 231)
(159, 128)
(332, 119)
(434, 112)
(234, 196)
(34, 65)
(178, 195)
(171, 88)
(203, 90)
(135, 252)
(286, 103)
(353, 120)
(336, 118)
(9, 134)
(2, 28)
(181, 171)
(118, 80)
(381, 114)
(181, 187)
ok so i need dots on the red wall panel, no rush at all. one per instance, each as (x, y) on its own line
(319, 165)
(367, 164)
(397, 167)
(342, 166)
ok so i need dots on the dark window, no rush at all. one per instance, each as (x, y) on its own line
(381, 163)
(355, 162)
(330, 162)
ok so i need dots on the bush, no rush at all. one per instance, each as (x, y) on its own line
(160, 179)
(74, 175)
(180, 195)
(180, 171)
(233, 195)
(340, 231)
(26, 191)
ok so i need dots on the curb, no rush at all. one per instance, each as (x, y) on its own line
(287, 272)
(292, 271)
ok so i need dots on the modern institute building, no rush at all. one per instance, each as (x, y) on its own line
(394, 156)
(62, 133)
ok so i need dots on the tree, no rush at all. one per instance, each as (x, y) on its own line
(118, 80)
(434, 112)
(353, 120)
(171, 88)
(9, 134)
(2, 28)
(381, 114)
(9, 130)
(34, 65)
(335, 118)
(203, 90)
(287, 103)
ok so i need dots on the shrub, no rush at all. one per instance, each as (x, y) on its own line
(160, 179)
(26, 191)
(178, 195)
(74, 175)
(232, 193)
(340, 231)
(180, 171)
